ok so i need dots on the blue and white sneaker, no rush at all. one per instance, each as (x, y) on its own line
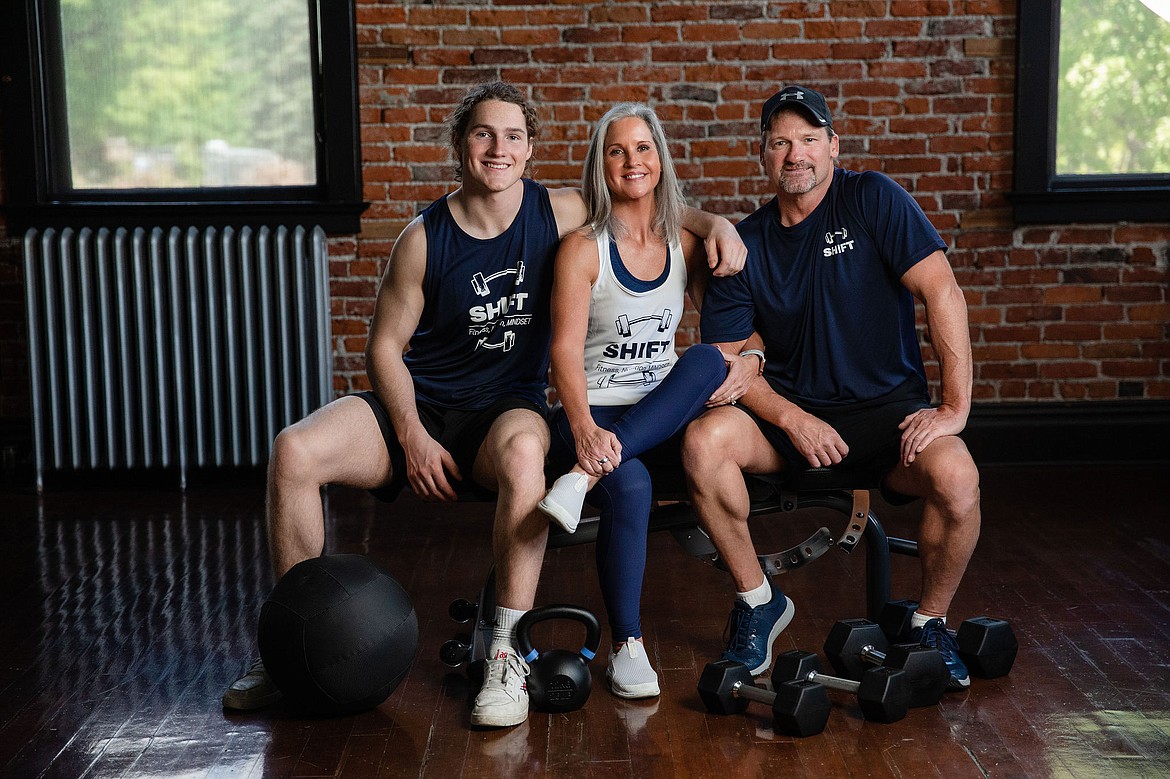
(753, 631)
(935, 635)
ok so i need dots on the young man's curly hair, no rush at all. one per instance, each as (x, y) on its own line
(461, 116)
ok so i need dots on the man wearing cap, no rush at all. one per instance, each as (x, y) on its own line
(835, 263)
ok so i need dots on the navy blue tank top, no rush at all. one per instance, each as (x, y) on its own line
(485, 326)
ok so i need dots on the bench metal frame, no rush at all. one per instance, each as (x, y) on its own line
(846, 492)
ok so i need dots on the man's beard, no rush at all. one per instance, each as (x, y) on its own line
(793, 185)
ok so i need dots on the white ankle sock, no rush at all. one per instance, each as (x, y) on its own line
(756, 597)
(917, 620)
(504, 631)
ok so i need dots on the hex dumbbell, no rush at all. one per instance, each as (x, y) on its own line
(800, 704)
(883, 693)
(798, 709)
(987, 645)
(854, 645)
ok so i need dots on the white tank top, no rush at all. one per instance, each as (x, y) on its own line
(629, 346)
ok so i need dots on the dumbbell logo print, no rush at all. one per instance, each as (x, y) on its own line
(625, 324)
(480, 283)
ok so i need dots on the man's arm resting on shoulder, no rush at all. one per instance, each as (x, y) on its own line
(726, 253)
(397, 310)
(933, 282)
(568, 207)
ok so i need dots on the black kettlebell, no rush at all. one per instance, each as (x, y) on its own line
(558, 680)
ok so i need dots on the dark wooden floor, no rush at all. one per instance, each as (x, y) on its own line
(127, 611)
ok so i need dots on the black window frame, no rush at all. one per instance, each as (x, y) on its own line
(1038, 194)
(34, 141)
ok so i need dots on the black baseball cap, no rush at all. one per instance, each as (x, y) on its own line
(808, 100)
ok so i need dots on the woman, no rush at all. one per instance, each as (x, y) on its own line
(617, 300)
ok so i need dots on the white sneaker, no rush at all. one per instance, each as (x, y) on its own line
(565, 500)
(629, 673)
(503, 700)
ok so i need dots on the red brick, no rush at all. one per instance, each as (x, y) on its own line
(771, 31)
(529, 36)
(1151, 313)
(999, 370)
(1070, 332)
(454, 36)
(677, 13)
(1125, 331)
(1128, 369)
(564, 16)
(845, 9)
(1033, 314)
(380, 15)
(1100, 351)
(1131, 233)
(497, 17)
(621, 14)
(1067, 370)
(1001, 353)
(1070, 293)
(832, 29)
(885, 29)
(1144, 294)
(920, 8)
(1049, 351)
(679, 53)
(710, 32)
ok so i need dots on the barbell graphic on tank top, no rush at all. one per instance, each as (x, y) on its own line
(634, 378)
(625, 324)
(479, 282)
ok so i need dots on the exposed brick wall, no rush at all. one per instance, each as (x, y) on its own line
(922, 90)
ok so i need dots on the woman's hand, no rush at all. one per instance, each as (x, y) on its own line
(598, 451)
(741, 372)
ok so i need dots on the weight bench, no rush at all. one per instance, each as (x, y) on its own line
(846, 491)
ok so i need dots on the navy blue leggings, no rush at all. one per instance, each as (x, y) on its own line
(625, 494)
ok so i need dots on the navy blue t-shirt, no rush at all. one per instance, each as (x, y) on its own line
(485, 327)
(826, 296)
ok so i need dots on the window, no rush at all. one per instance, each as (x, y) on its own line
(1093, 111)
(180, 111)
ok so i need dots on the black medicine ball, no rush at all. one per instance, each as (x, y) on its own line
(337, 634)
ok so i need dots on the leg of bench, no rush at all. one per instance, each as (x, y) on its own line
(877, 567)
(485, 621)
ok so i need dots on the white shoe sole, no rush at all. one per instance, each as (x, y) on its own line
(563, 519)
(634, 692)
(495, 719)
(785, 618)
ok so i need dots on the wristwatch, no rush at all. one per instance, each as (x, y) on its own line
(755, 353)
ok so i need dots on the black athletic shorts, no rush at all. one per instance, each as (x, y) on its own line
(460, 432)
(869, 428)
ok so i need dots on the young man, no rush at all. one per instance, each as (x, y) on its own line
(458, 358)
(835, 262)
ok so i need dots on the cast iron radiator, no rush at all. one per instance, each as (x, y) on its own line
(153, 348)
